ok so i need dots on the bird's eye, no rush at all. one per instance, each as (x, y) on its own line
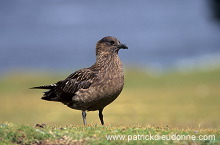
(112, 42)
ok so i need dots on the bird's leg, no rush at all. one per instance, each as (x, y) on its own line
(84, 117)
(101, 116)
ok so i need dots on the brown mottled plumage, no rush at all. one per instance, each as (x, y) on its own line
(92, 88)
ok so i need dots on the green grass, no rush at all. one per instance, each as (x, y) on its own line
(95, 134)
(188, 101)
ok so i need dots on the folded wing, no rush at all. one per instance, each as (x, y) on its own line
(64, 91)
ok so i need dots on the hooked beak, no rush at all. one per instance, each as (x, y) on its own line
(122, 46)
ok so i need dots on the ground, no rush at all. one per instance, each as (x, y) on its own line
(96, 134)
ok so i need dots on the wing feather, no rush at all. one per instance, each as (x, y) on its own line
(66, 89)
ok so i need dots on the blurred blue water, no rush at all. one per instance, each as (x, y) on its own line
(57, 34)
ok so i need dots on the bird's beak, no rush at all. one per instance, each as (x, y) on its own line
(122, 46)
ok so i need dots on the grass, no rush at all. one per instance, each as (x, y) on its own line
(95, 134)
(187, 102)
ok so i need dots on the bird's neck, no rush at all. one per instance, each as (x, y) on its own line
(107, 60)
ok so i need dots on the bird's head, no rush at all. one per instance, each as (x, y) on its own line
(109, 45)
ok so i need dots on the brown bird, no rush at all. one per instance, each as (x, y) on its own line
(93, 88)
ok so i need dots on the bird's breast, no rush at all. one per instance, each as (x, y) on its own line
(111, 79)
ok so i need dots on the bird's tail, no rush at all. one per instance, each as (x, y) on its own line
(48, 95)
(51, 86)
(51, 94)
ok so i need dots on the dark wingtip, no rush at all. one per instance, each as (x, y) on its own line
(51, 86)
(42, 87)
(33, 88)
